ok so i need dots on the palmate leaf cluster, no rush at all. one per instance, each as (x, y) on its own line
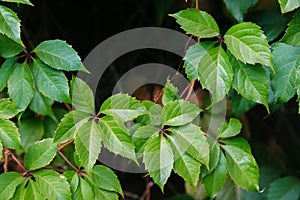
(165, 138)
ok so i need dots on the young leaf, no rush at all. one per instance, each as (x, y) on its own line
(179, 112)
(21, 85)
(41, 104)
(40, 154)
(32, 191)
(8, 109)
(69, 125)
(82, 96)
(286, 60)
(284, 188)
(214, 181)
(59, 55)
(51, 82)
(170, 93)
(159, 159)
(88, 144)
(116, 137)
(250, 81)
(292, 33)
(185, 165)
(229, 130)
(6, 70)
(192, 58)
(20, 1)
(84, 191)
(247, 43)
(9, 134)
(192, 140)
(10, 24)
(31, 130)
(9, 47)
(198, 23)
(242, 167)
(122, 106)
(288, 5)
(239, 8)
(8, 184)
(215, 73)
(52, 185)
(105, 178)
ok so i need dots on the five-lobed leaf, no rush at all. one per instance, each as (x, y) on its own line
(215, 73)
(51, 82)
(88, 144)
(52, 185)
(5, 71)
(9, 47)
(247, 43)
(239, 8)
(288, 5)
(229, 130)
(198, 23)
(284, 189)
(40, 154)
(8, 109)
(286, 60)
(9, 134)
(21, 85)
(159, 159)
(292, 33)
(59, 55)
(8, 184)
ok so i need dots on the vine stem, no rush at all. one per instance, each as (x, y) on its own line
(7, 153)
(69, 163)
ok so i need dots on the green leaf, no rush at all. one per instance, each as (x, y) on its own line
(214, 153)
(1, 150)
(292, 33)
(88, 144)
(8, 109)
(142, 135)
(21, 85)
(9, 47)
(31, 130)
(5, 71)
(247, 43)
(214, 181)
(288, 5)
(73, 180)
(20, 192)
(192, 140)
(52, 185)
(215, 73)
(229, 191)
(170, 93)
(284, 189)
(179, 112)
(122, 106)
(198, 23)
(242, 167)
(116, 137)
(185, 165)
(192, 58)
(51, 82)
(9, 134)
(19, 1)
(239, 8)
(105, 178)
(59, 55)
(159, 159)
(298, 87)
(10, 24)
(82, 96)
(69, 125)
(41, 104)
(152, 117)
(40, 154)
(8, 184)
(238, 142)
(104, 195)
(286, 60)
(250, 81)
(229, 130)
(32, 191)
(84, 191)
(240, 104)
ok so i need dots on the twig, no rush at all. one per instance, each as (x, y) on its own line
(131, 195)
(148, 188)
(69, 108)
(61, 146)
(190, 90)
(6, 154)
(19, 163)
(71, 165)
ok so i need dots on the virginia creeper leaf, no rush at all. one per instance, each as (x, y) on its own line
(52, 185)
(239, 8)
(240, 104)
(170, 93)
(40, 154)
(142, 135)
(159, 159)
(59, 55)
(215, 73)
(21, 85)
(41, 104)
(73, 180)
(292, 33)
(104, 194)
(9, 47)
(179, 112)
(31, 130)
(9, 134)
(51, 82)
(8, 109)
(247, 43)
(198, 23)
(32, 191)
(20, 192)
(288, 5)
(84, 191)
(152, 117)
(8, 184)
(88, 144)
(20, 1)
(1, 150)
(284, 189)
(5, 71)
(229, 130)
